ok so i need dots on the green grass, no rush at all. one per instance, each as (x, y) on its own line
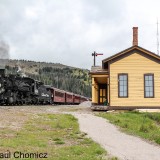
(56, 134)
(145, 125)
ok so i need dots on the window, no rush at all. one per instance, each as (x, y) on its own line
(149, 85)
(69, 96)
(59, 94)
(122, 85)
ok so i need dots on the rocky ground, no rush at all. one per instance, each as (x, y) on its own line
(15, 116)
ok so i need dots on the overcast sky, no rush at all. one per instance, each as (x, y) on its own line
(68, 31)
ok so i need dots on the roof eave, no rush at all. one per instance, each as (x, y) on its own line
(129, 49)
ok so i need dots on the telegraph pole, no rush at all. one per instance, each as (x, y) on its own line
(157, 39)
(94, 54)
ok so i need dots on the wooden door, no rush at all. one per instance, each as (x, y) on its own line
(102, 93)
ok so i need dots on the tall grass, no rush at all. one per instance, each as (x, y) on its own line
(145, 125)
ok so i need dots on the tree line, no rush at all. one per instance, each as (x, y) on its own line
(68, 79)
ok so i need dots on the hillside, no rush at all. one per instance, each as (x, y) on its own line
(58, 75)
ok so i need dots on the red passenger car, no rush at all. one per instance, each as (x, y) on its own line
(76, 99)
(69, 98)
(63, 97)
(58, 96)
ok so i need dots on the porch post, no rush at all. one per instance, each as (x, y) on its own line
(93, 91)
(108, 90)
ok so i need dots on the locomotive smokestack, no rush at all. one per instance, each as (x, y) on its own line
(2, 72)
(135, 36)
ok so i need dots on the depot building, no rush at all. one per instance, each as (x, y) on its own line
(129, 79)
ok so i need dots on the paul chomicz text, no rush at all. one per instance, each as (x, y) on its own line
(18, 154)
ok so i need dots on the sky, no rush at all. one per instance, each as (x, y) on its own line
(69, 31)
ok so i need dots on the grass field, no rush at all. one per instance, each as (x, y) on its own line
(145, 125)
(57, 135)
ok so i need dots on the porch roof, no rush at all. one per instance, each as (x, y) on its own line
(97, 70)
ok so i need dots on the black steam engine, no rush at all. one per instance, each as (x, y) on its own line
(15, 90)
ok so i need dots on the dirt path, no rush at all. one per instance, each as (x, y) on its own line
(118, 144)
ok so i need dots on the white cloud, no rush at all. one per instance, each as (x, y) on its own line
(31, 13)
(68, 31)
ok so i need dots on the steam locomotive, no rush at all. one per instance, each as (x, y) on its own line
(17, 90)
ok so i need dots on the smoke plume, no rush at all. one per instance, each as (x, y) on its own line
(4, 54)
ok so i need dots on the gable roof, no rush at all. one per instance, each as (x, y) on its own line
(129, 51)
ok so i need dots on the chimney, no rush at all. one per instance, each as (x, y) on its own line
(135, 36)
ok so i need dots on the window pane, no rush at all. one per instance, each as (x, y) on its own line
(146, 78)
(121, 78)
(125, 94)
(151, 94)
(147, 89)
(150, 78)
(147, 94)
(121, 94)
(123, 85)
(125, 88)
(151, 89)
(148, 85)
(121, 88)
(124, 77)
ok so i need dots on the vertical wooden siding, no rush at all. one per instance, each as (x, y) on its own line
(135, 66)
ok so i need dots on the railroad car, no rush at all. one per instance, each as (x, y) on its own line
(69, 98)
(17, 90)
(76, 99)
(58, 96)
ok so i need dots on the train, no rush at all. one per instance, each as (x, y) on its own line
(18, 90)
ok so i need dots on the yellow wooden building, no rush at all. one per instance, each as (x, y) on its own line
(127, 80)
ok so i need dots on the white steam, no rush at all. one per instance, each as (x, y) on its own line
(4, 54)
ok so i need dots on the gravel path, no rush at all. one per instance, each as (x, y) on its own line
(121, 145)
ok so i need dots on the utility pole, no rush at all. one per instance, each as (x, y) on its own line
(94, 54)
(157, 39)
